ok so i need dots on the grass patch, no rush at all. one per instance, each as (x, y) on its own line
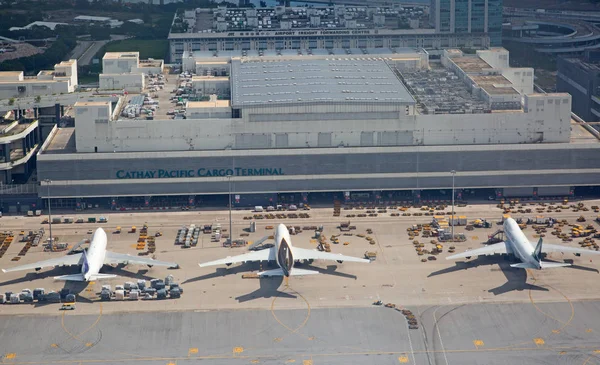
(157, 49)
(88, 79)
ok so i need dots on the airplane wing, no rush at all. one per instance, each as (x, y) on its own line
(121, 258)
(262, 255)
(305, 254)
(59, 261)
(557, 248)
(488, 250)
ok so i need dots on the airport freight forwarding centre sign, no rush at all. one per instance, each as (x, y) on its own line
(201, 172)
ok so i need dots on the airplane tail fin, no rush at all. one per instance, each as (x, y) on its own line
(523, 265)
(274, 272)
(85, 265)
(550, 265)
(543, 265)
(537, 253)
(301, 272)
(294, 272)
(81, 277)
(74, 277)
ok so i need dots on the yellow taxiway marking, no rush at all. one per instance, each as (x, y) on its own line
(403, 359)
(292, 330)
(589, 330)
(277, 339)
(255, 361)
(556, 332)
(89, 344)
(307, 362)
(54, 345)
(10, 356)
(238, 350)
(562, 352)
(172, 361)
(192, 350)
(76, 337)
(289, 361)
(478, 343)
(539, 341)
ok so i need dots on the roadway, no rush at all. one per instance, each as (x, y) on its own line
(85, 51)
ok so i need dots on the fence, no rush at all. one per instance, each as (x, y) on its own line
(15, 189)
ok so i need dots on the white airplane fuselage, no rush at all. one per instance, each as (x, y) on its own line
(283, 248)
(93, 259)
(518, 244)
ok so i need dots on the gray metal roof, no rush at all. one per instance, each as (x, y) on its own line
(341, 52)
(350, 79)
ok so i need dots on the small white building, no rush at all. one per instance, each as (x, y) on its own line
(208, 85)
(213, 108)
(125, 71)
(128, 82)
(63, 79)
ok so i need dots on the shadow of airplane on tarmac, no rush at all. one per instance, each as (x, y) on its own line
(120, 270)
(225, 271)
(251, 266)
(516, 279)
(268, 285)
(269, 288)
(31, 276)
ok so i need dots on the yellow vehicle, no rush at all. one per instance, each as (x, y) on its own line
(118, 230)
(67, 306)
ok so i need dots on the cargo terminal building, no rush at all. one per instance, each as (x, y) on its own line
(305, 29)
(310, 128)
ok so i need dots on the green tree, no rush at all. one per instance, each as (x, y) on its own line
(147, 18)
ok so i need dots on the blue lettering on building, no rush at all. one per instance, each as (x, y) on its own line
(201, 172)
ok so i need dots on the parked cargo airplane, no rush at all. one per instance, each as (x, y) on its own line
(517, 243)
(92, 261)
(285, 255)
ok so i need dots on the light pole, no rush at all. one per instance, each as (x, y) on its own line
(48, 181)
(453, 217)
(230, 224)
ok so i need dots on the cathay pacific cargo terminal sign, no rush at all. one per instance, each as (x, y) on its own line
(201, 172)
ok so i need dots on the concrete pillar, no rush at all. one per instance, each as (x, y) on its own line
(57, 112)
(36, 113)
(416, 194)
(7, 152)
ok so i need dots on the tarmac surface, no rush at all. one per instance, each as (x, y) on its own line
(479, 311)
(559, 333)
